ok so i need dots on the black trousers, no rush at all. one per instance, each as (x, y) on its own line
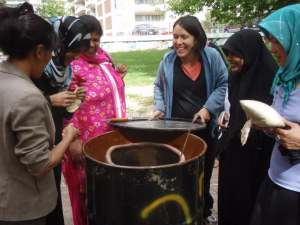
(276, 206)
(40, 221)
(56, 216)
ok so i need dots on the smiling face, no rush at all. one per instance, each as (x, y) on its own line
(94, 44)
(184, 43)
(277, 50)
(236, 63)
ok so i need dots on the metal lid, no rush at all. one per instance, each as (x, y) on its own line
(161, 125)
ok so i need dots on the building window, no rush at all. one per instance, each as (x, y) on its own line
(117, 4)
(99, 10)
(149, 18)
(107, 7)
(149, 2)
(108, 23)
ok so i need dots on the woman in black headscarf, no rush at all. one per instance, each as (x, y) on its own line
(242, 168)
(72, 39)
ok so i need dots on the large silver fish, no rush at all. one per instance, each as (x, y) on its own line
(260, 115)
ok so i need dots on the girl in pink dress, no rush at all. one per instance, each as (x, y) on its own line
(104, 100)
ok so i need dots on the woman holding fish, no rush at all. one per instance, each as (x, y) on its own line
(279, 198)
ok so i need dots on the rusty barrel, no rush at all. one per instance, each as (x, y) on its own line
(120, 193)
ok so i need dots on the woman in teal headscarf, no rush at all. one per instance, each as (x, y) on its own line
(279, 198)
(283, 26)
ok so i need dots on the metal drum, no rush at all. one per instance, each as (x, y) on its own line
(167, 192)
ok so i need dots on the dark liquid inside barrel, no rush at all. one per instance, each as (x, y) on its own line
(140, 156)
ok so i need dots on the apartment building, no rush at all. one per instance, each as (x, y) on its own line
(126, 17)
(120, 17)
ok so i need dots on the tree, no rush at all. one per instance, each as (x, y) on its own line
(230, 11)
(52, 8)
(208, 23)
(2, 2)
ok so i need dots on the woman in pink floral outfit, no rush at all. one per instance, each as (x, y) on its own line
(104, 100)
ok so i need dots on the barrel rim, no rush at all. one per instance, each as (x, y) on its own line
(185, 162)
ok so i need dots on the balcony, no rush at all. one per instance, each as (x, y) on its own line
(149, 2)
(147, 8)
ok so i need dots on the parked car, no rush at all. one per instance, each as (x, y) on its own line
(145, 29)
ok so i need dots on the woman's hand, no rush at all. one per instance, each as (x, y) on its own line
(70, 133)
(157, 115)
(289, 137)
(63, 99)
(203, 116)
(122, 70)
(75, 150)
(223, 119)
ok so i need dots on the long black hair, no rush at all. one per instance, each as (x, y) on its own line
(21, 31)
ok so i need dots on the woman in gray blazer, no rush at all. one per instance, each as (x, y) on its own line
(27, 186)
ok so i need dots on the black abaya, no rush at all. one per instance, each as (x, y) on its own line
(243, 168)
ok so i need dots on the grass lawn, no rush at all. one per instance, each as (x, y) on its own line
(141, 65)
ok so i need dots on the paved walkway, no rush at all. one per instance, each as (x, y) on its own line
(66, 204)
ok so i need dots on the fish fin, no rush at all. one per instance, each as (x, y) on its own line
(245, 132)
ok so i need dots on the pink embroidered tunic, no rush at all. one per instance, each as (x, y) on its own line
(105, 97)
(104, 100)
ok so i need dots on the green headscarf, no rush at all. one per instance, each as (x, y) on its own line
(284, 26)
